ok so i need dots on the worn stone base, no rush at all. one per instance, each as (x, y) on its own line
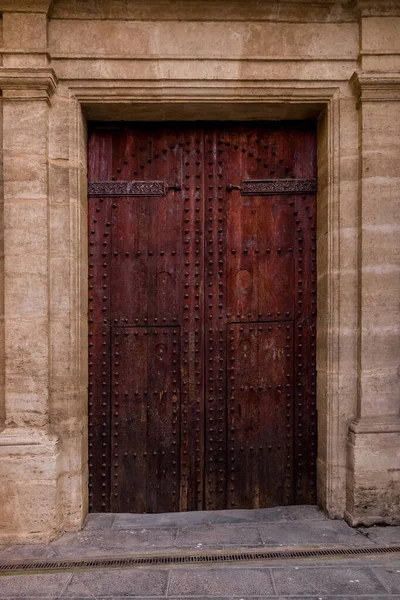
(28, 486)
(373, 482)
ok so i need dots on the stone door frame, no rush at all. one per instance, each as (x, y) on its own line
(48, 440)
(237, 100)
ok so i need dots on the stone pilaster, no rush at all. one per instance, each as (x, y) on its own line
(373, 491)
(28, 451)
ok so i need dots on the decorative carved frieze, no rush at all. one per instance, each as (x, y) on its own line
(268, 187)
(127, 188)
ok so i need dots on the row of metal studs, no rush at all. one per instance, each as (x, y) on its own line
(215, 280)
(98, 394)
(304, 403)
(192, 257)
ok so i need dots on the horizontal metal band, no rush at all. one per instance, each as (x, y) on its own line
(264, 187)
(128, 188)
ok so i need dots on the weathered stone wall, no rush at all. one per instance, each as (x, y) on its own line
(69, 61)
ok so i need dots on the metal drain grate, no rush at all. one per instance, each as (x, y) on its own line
(46, 566)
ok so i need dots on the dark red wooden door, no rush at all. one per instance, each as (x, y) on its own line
(202, 307)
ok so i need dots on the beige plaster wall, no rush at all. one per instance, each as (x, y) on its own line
(188, 59)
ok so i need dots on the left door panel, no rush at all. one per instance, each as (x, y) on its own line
(145, 316)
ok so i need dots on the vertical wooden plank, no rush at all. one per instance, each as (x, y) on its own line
(192, 344)
(242, 244)
(162, 160)
(129, 431)
(275, 263)
(130, 224)
(305, 350)
(99, 303)
(260, 422)
(163, 432)
(216, 147)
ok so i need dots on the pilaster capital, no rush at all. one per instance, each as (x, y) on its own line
(27, 84)
(376, 87)
(381, 8)
(40, 6)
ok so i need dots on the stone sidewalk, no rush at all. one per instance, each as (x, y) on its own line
(123, 535)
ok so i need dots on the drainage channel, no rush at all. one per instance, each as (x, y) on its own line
(51, 566)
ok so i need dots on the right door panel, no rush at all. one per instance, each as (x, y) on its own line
(260, 315)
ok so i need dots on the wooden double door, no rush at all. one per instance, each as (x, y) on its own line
(202, 314)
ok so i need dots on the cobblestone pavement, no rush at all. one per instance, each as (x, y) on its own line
(122, 535)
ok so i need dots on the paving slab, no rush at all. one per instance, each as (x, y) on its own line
(390, 577)
(382, 535)
(218, 536)
(303, 533)
(33, 586)
(99, 521)
(23, 552)
(77, 589)
(344, 580)
(305, 512)
(109, 542)
(220, 581)
(116, 583)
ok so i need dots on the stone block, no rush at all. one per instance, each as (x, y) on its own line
(380, 35)
(373, 485)
(381, 382)
(73, 489)
(60, 301)
(202, 39)
(25, 176)
(26, 343)
(217, 10)
(25, 228)
(28, 483)
(27, 293)
(25, 127)
(24, 30)
(62, 373)
(25, 278)
(59, 126)
(59, 182)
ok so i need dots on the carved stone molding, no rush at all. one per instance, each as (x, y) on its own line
(376, 87)
(25, 84)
